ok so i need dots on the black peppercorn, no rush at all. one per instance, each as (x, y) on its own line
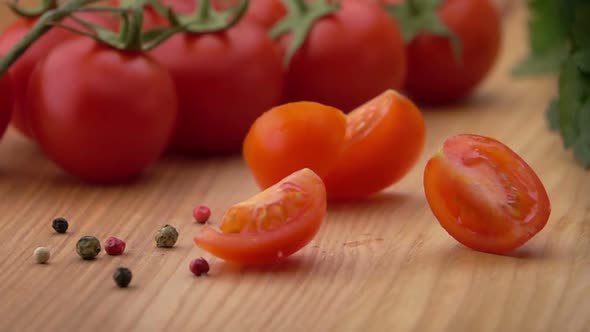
(60, 225)
(88, 247)
(122, 277)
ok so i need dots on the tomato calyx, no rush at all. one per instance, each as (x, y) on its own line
(42, 8)
(300, 18)
(415, 16)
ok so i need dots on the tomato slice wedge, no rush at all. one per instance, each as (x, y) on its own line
(485, 195)
(270, 226)
(384, 140)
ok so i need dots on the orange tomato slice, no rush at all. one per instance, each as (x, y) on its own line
(384, 140)
(291, 137)
(485, 195)
(271, 225)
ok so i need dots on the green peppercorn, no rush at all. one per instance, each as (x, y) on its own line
(88, 247)
(60, 225)
(122, 277)
(166, 237)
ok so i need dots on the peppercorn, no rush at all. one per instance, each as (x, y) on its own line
(122, 277)
(60, 225)
(88, 247)
(41, 255)
(166, 237)
(114, 246)
(199, 266)
(201, 214)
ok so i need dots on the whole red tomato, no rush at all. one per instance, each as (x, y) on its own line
(6, 101)
(21, 70)
(435, 74)
(348, 57)
(224, 81)
(101, 114)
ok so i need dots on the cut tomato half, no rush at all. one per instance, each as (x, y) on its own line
(485, 195)
(271, 225)
(384, 140)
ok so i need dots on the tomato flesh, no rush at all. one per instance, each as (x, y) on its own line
(271, 225)
(485, 195)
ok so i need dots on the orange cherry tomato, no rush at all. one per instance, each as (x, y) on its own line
(485, 195)
(271, 225)
(291, 137)
(384, 140)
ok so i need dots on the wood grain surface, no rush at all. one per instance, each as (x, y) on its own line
(379, 265)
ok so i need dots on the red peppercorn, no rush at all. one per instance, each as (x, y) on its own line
(201, 214)
(199, 266)
(114, 246)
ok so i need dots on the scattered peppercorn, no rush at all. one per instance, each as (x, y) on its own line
(166, 237)
(202, 214)
(199, 266)
(60, 225)
(122, 277)
(41, 255)
(88, 247)
(114, 246)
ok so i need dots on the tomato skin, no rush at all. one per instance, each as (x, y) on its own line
(348, 58)
(21, 70)
(284, 140)
(384, 140)
(434, 75)
(267, 247)
(6, 101)
(224, 82)
(485, 195)
(101, 114)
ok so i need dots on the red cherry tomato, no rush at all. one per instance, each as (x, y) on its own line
(224, 81)
(485, 195)
(271, 225)
(6, 101)
(103, 115)
(349, 57)
(435, 74)
(21, 70)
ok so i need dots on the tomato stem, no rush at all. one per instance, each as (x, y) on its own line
(207, 19)
(45, 6)
(301, 17)
(204, 10)
(45, 23)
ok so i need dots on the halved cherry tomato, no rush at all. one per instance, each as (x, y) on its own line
(6, 101)
(271, 225)
(291, 137)
(384, 139)
(485, 195)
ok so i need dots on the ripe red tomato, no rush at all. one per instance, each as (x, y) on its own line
(271, 225)
(6, 101)
(101, 114)
(21, 70)
(349, 57)
(485, 195)
(224, 81)
(435, 75)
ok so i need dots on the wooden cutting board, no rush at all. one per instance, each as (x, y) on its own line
(381, 265)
